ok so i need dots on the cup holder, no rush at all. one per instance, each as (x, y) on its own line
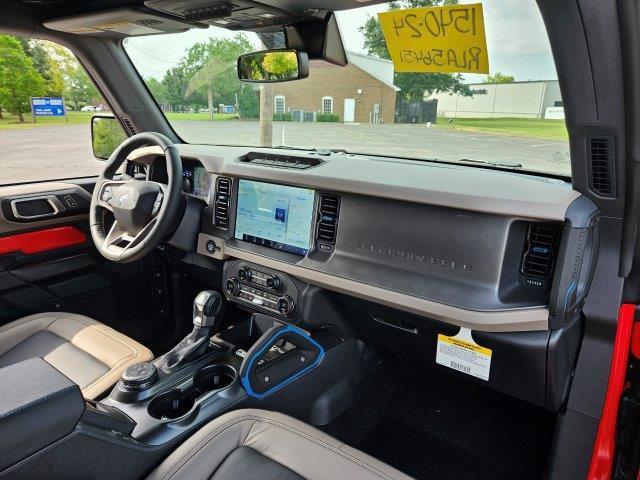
(171, 404)
(213, 377)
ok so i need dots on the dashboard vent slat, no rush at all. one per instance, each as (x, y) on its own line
(540, 251)
(328, 213)
(222, 201)
(602, 166)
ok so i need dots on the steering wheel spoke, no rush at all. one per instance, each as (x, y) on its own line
(145, 212)
(118, 242)
(106, 193)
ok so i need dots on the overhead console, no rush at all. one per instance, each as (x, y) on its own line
(485, 271)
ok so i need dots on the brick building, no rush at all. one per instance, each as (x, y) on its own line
(361, 92)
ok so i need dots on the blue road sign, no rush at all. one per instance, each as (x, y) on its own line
(229, 109)
(48, 107)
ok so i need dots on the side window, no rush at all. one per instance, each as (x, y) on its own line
(46, 104)
(279, 104)
(327, 104)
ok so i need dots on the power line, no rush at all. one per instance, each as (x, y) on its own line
(152, 56)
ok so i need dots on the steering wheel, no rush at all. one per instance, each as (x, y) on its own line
(145, 211)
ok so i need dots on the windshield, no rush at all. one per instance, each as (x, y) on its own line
(511, 117)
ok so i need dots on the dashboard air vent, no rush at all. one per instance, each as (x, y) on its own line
(602, 165)
(223, 195)
(539, 255)
(328, 213)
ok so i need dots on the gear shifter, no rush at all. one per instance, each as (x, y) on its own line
(207, 308)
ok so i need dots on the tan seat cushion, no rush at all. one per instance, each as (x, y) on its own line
(88, 352)
(256, 444)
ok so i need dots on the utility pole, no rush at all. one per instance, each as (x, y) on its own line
(266, 115)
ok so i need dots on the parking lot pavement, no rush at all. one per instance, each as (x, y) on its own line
(65, 151)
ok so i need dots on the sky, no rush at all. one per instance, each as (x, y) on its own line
(517, 41)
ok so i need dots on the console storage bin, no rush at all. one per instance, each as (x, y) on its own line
(38, 406)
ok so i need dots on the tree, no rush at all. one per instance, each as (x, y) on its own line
(175, 85)
(280, 65)
(413, 86)
(107, 136)
(248, 102)
(157, 89)
(210, 70)
(19, 79)
(499, 78)
(78, 86)
(209, 76)
(46, 56)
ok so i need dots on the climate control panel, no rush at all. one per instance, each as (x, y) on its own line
(260, 288)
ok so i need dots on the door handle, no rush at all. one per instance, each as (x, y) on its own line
(56, 207)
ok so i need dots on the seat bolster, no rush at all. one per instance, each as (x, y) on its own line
(203, 452)
(108, 346)
(19, 330)
(301, 448)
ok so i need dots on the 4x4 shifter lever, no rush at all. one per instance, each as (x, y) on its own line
(207, 308)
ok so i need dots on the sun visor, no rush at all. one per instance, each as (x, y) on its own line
(121, 22)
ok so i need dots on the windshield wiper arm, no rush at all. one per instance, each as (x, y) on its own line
(495, 164)
(319, 151)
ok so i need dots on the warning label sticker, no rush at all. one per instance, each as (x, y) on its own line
(463, 354)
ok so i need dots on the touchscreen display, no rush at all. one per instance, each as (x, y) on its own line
(275, 216)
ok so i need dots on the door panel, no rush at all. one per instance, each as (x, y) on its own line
(51, 264)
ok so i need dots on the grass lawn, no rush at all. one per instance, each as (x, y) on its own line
(10, 121)
(199, 116)
(518, 127)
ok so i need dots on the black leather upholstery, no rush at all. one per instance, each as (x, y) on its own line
(260, 445)
(248, 464)
(38, 406)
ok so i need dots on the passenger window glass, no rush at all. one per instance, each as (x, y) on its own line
(46, 104)
(513, 116)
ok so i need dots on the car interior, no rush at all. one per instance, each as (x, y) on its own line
(423, 319)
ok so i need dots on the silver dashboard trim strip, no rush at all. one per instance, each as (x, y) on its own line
(531, 319)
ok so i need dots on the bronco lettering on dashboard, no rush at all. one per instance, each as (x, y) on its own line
(414, 257)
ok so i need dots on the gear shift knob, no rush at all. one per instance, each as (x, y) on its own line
(206, 309)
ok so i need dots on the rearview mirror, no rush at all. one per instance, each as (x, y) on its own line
(106, 135)
(273, 66)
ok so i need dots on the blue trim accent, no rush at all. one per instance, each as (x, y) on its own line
(570, 290)
(258, 354)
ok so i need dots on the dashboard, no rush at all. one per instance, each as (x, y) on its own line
(401, 252)
(493, 251)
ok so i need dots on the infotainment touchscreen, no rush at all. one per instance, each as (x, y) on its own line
(275, 216)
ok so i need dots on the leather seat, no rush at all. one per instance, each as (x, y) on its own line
(89, 353)
(261, 445)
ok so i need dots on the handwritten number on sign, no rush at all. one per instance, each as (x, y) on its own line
(450, 38)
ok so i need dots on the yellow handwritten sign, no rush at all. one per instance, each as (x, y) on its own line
(437, 39)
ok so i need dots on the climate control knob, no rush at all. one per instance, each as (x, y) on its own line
(273, 282)
(245, 274)
(232, 286)
(286, 305)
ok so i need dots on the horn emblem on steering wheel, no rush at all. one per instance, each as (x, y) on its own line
(123, 199)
